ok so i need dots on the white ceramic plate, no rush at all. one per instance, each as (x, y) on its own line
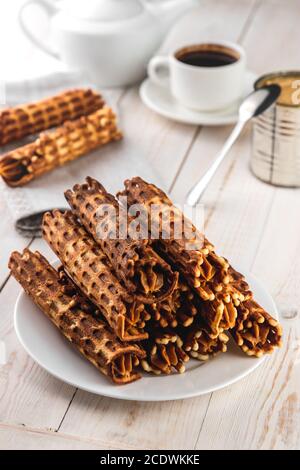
(160, 100)
(45, 344)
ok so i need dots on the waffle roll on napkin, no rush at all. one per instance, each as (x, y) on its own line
(89, 268)
(194, 257)
(139, 268)
(77, 319)
(28, 119)
(56, 148)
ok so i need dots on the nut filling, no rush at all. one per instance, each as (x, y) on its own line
(138, 267)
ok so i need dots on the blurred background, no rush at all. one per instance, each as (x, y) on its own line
(19, 58)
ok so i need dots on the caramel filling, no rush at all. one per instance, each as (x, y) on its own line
(122, 368)
(13, 170)
(258, 334)
(289, 84)
(164, 355)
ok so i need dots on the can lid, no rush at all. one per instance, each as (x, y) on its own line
(289, 81)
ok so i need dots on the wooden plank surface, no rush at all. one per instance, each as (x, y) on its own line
(26, 438)
(253, 224)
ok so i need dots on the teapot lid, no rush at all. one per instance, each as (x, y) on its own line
(102, 10)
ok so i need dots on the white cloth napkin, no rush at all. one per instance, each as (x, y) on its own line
(111, 164)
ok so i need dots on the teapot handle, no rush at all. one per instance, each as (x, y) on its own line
(50, 10)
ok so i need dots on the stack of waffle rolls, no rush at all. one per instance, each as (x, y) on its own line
(183, 314)
(85, 124)
(77, 319)
(142, 271)
(223, 295)
(203, 270)
(89, 268)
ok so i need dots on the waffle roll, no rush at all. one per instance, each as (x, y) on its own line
(164, 313)
(177, 310)
(58, 147)
(77, 319)
(89, 268)
(139, 268)
(218, 315)
(200, 345)
(209, 279)
(28, 119)
(164, 353)
(221, 313)
(256, 332)
(187, 310)
(202, 269)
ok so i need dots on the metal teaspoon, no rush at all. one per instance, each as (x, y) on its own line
(253, 105)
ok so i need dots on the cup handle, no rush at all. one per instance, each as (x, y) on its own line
(50, 9)
(155, 66)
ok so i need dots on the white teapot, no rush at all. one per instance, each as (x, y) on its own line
(111, 40)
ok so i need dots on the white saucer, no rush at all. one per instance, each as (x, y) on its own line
(160, 100)
(45, 344)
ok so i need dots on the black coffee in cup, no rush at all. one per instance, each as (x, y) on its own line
(204, 77)
(207, 55)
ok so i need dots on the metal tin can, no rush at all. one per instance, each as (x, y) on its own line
(276, 133)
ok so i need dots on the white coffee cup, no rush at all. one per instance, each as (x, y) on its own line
(202, 87)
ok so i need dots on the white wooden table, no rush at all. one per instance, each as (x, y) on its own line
(251, 223)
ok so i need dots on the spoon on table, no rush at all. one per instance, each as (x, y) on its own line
(253, 105)
(30, 226)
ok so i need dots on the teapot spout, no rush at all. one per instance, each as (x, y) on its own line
(168, 11)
